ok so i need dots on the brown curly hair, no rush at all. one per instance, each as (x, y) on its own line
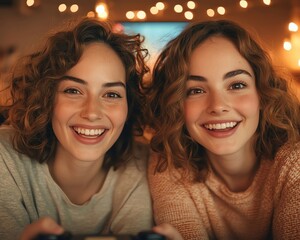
(280, 111)
(36, 77)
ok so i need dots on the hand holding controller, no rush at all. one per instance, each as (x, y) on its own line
(144, 235)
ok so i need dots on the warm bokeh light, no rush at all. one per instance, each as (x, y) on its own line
(118, 28)
(74, 8)
(160, 5)
(267, 2)
(210, 12)
(91, 14)
(188, 15)
(221, 10)
(153, 10)
(30, 3)
(287, 45)
(299, 62)
(243, 4)
(178, 8)
(191, 4)
(141, 15)
(103, 15)
(293, 27)
(130, 15)
(62, 7)
(101, 10)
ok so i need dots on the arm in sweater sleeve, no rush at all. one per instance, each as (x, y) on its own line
(286, 221)
(173, 204)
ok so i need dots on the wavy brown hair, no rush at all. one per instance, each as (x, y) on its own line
(280, 112)
(35, 80)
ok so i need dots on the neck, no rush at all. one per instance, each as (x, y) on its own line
(79, 180)
(235, 171)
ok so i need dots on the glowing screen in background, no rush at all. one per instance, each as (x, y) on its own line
(156, 34)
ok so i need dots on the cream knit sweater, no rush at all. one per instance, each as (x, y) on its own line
(268, 209)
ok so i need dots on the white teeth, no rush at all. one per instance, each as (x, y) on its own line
(89, 132)
(220, 126)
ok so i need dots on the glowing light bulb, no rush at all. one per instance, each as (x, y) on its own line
(243, 4)
(154, 10)
(160, 5)
(293, 27)
(130, 14)
(287, 45)
(188, 15)
(74, 8)
(191, 4)
(62, 7)
(221, 10)
(141, 15)
(178, 8)
(267, 2)
(210, 12)
(30, 3)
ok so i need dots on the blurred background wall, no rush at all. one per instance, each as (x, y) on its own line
(24, 23)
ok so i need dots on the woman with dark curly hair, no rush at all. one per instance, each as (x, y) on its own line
(226, 161)
(69, 159)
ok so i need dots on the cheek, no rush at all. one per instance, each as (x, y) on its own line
(58, 111)
(118, 114)
(192, 110)
(62, 111)
(59, 119)
(249, 104)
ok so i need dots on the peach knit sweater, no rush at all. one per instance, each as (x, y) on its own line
(268, 209)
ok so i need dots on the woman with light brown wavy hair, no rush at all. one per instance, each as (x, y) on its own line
(226, 151)
(68, 158)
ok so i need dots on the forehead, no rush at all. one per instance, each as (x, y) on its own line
(215, 46)
(217, 54)
(99, 61)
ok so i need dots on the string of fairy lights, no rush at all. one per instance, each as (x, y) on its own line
(185, 9)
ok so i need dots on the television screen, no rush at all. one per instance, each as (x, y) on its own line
(156, 34)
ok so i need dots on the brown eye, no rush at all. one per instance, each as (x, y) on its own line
(72, 91)
(194, 91)
(112, 95)
(237, 86)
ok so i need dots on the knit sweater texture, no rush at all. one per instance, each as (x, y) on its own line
(268, 209)
(28, 192)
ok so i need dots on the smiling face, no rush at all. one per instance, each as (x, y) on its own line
(222, 104)
(91, 105)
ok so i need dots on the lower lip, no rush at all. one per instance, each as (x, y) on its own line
(89, 141)
(222, 133)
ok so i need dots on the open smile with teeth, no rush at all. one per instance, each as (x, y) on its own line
(91, 133)
(220, 126)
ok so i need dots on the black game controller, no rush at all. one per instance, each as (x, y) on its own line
(144, 235)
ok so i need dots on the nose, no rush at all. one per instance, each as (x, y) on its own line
(92, 109)
(217, 103)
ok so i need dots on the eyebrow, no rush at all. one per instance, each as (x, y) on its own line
(227, 75)
(81, 81)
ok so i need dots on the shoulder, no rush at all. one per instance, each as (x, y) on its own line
(288, 155)
(6, 147)
(6, 133)
(287, 163)
(11, 158)
(163, 178)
